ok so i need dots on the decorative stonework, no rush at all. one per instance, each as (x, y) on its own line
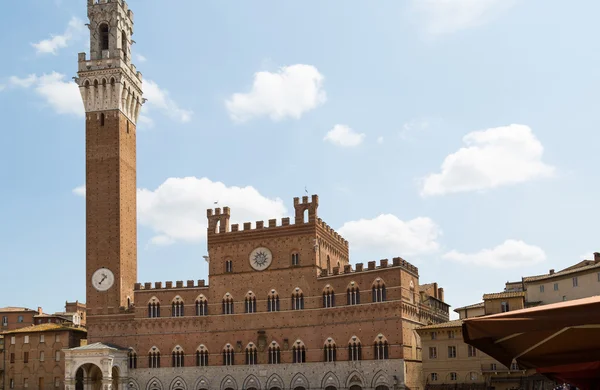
(108, 80)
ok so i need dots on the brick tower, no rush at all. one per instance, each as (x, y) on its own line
(111, 89)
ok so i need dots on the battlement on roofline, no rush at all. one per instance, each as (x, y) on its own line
(218, 220)
(336, 272)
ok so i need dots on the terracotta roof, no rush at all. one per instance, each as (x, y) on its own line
(96, 346)
(473, 306)
(582, 263)
(45, 328)
(510, 294)
(14, 309)
(449, 324)
(567, 271)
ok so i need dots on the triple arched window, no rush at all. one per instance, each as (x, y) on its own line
(177, 307)
(228, 355)
(378, 291)
(329, 351)
(353, 294)
(328, 296)
(201, 306)
(153, 308)
(154, 358)
(354, 349)
(297, 299)
(132, 359)
(250, 302)
(273, 301)
(251, 354)
(299, 352)
(202, 356)
(177, 357)
(227, 304)
(381, 348)
(274, 353)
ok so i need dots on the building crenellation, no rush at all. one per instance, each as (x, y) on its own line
(281, 297)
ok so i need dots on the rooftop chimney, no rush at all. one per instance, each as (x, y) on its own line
(596, 257)
(40, 311)
(552, 271)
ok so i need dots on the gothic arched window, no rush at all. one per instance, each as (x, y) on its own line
(381, 348)
(228, 355)
(354, 349)
(250, 302)
(273, 301)
(353, 294)
(227, 304)
(103, 36)
(297, 299)
(132, 359)
(299, 352)
(177, 357)
(202, 356)
(329, 351)
(328, 296)
(378, 291)
(274, 353)
(154, 358)
(154, 308)
(251, 354)
(201, 306)
(177, 307)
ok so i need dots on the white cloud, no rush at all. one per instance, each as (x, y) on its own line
(509, 254)
(439, 17)
(141, 58)
(491, 158)
(344, 136)
(379, 140)
(75, 29)
(176, 210)
(63, 96)
(159, 98)
(388, 233)
(79, 191)
(290, 92)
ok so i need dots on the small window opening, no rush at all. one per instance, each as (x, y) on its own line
(124, 45)
(101, 119)
(104, 37)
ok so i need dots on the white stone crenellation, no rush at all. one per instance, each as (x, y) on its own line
(107, 79)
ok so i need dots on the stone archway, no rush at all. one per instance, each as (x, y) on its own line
(88, 377)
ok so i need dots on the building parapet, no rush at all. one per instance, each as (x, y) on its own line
(218, 220)
(169, 285)
(372, 265)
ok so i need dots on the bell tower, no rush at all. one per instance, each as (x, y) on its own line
(111, 89)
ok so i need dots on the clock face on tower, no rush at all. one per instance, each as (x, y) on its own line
(103, 279)
(261, 258)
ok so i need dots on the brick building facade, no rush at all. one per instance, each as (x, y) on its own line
(283, 309)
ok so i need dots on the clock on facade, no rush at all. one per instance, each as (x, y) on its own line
(103, 279)
(260, 258)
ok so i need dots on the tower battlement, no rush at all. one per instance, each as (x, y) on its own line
(219, 221)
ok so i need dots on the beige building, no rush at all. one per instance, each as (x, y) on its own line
(449, 362)
(578, 281)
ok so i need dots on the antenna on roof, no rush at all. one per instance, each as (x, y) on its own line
(305, 190)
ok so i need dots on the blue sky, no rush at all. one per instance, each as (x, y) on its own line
(459, 134)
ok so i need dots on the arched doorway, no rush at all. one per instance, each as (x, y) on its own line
(355, 387)
(275, 388)
(382, 387)
(88, 377)
(115, 378)
(330, 388)
(252, 388)
(299, 388)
